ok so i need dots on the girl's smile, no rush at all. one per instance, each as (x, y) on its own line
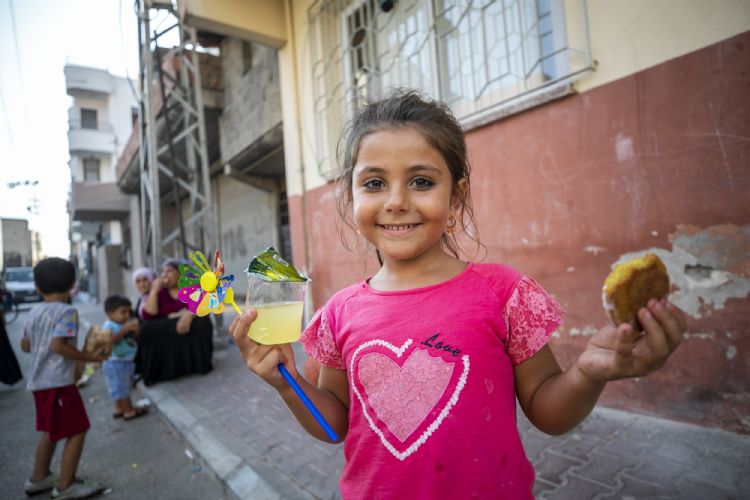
(397, 230)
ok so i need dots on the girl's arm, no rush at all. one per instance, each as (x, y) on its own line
(331, 397)
(556, 401)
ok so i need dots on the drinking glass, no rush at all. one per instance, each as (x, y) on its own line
(279, 305)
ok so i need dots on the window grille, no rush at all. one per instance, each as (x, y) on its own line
(479, 56)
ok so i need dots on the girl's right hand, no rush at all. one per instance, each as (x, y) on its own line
(263, 360)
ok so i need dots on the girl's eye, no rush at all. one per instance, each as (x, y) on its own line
(373, 184)
(422, 183)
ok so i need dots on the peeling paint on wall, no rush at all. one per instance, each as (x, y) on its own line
(624, 147)
(586, 331)
(707, 266)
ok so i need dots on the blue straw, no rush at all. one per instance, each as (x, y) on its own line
(309, 404)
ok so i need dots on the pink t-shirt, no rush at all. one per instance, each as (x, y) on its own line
(432, 402)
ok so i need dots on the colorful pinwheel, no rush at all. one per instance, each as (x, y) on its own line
(205, 291)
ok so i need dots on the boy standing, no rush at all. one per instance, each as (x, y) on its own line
(50, 336)
(119, 368)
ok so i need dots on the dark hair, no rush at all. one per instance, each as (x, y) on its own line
(54, 275)
(434, 120)
(114, 301)
(174, 263)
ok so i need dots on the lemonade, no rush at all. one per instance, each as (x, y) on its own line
(277, 323)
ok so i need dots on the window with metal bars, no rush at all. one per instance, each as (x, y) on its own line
(476, 55)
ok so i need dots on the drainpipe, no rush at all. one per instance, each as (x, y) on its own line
(295, 78)
(305, 229)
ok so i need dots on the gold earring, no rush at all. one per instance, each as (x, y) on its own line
(451, 228)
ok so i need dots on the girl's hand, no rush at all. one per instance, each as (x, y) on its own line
(156, 285)
(260, 359)
(623, 353)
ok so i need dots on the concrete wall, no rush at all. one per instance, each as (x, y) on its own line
(121, 104)
(248, 224)
(252, 95)
(109, 271)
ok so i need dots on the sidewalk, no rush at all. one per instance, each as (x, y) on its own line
(252, 443)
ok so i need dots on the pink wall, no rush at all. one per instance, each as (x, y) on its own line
(657, 160)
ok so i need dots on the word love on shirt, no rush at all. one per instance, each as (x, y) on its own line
(438, 344)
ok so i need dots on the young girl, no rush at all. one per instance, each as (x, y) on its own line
(423, 362)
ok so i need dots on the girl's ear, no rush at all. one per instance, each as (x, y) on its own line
(458, 196)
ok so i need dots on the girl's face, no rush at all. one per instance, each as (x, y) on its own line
(401, 194)
(142, 284)
(170, 276)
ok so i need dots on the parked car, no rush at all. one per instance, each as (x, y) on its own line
(20, 282)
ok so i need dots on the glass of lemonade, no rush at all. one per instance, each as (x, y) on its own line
(279, 305)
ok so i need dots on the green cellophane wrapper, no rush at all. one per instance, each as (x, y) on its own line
(269, 266)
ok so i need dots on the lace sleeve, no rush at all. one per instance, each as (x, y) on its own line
(318, 342)
(531, 317)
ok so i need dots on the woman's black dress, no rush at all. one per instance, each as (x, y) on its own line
(165, 354)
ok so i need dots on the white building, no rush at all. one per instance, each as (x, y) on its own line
(101, 119)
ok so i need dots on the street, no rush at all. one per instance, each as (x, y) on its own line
(143, 458)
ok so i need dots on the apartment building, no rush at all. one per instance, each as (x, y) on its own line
(597, 130)
(101, 117)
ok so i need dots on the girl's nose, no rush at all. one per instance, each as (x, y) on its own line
(397, 201)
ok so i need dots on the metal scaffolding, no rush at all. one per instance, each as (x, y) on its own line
(173, 154)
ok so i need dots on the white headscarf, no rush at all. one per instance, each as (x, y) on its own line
(149, 273)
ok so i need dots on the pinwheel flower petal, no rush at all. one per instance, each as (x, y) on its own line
(192, 296)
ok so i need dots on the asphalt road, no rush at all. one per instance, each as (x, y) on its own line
(142, 458)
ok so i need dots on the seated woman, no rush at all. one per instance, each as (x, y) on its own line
(173, 341)
(143, 277)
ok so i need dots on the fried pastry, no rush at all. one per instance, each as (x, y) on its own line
(631, 285)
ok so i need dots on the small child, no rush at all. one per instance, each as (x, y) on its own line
(50, 336)
(120, 367)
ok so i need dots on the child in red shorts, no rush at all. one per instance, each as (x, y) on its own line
(50, 336)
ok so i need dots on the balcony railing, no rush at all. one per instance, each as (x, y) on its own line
(102, 126)
(91, 140)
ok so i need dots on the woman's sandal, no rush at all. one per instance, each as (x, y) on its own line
(138, 411)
